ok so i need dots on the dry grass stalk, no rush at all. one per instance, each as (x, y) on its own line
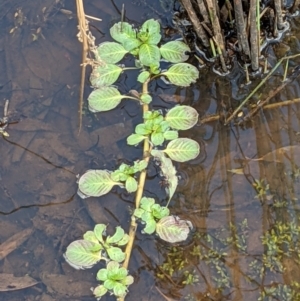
(278, 9)
(203, 11)
(196, 23)
(253, 36)
(240, 26)
(82, 24)
(217, 32)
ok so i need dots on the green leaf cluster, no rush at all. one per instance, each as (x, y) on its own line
(150, 212)
(82, 254)
(125, 174)
(155, 128)
(115, 280)
(143, 44)
(158, 128)
(158, 219)
(96, 183)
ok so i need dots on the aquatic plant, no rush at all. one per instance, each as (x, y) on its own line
(161, 142)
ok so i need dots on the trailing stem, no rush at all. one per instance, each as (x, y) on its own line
(140, 190)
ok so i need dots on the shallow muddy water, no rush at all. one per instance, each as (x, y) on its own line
(241, 193)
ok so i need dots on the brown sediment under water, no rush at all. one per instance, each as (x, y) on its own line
(241, 193)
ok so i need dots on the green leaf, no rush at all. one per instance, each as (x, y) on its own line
(143, 36)
(143, 76)
(182, 117)
(80, 256)
(157, 138)
(90, 236)
(124, 240)
(105, 75)
(140, 165)
(99, 231)
(150, 32)
(147, 216)
(138, 212)
(100, 291)
(182, 149)
(102, 275)
(175, 51)
(159, 212)
(113, 268)
(128, 280)
(146, 203)
(164, 125)
(111, 52)
(154, 68)
(120, 274)
(151, 26)
(150, 226)
(168, 171)
(122, 32)
(141, 129)
(109, 284)
(95, 183)
(104, 99)
(135, 139)
(173, 229)
(146, 98)
(118, 175)
(149, 54)
(154, 39)
(182, 74)
(131, 184)
(120, 290)
(170, 135)
(132, 45)
(116, 237)
(116, 254)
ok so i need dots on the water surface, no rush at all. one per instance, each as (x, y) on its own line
(240, 207)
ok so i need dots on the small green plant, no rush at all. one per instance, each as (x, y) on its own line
(115, 280)
(261, 188)
(161, 141)
(95, 245)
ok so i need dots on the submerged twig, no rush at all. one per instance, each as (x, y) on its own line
(236, 111)
(295, 74)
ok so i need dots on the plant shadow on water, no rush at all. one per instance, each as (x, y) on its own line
(245, 211)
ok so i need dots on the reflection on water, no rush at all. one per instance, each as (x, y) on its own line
(242, 193)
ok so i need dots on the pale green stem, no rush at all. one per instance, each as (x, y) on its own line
(130, 97)
(285, 70)
(130, 68)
